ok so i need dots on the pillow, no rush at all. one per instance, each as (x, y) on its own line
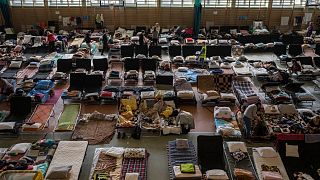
(212, 93)
(223, 113)
(271, 109)
(115, 152)
(107, 94)
(7, 125)
(243, 174)
(134, 153)
(225, 65)
(236, 145)
(45, 62)
(59, 172)
(32, 126)
(292, 150)
(20, 148)
(228, 96)
(271, 175)
(132, 176)
(147, 94)
(42, 168)
(266, 152)
(307, 67)
(15, 64)
(182, 144)
(288, 109)
(182, 69)
(43, 84)
(178, 58)
(217, 174)
(191, 58)
(187, 168)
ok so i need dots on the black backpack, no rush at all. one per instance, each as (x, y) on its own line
(136, 132)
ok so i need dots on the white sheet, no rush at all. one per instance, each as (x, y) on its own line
(258, 161)
(69, 153)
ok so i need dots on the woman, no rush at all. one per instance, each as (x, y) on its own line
(51, 39)
(6, 89)
(251, 118)
(155, 35)
(309, 29)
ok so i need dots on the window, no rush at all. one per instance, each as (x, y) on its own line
(216, 3)
(69, 3)
(27, 2)
(146, 3)
(176, 3)
(252, 3)
(104, 2)
(288, 3)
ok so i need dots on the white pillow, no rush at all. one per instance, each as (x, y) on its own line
(217, 174)
(115, 152)
(292, 150)
(45, 62)
(33, 126)
(132, 176)
(15, 64)
(147, 94)
(20, 148)
(182, 69)
(236, 146)
(7, 125)
(266, 152)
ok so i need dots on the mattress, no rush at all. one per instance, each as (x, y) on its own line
(276, 161)
(243, 71)
(115, 173)
(41, 115)
(68, 117)
(69, 153)
(227, 129)
(27, 72)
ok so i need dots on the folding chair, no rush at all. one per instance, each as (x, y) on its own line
(127, 51)
(174, 51)
(64, 65)
(83, 64)
(280, 49)
(131, 64)
(210, 153)
(295, 49)
(155, 50)
(141, 49)
(100, 64)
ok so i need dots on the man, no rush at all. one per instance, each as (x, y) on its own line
(105, 42)
(6, 89)
(250, 118)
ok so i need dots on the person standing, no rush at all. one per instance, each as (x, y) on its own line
(87, 40)
(105, 42)
(6, 89)
(309, 29)
(141, 38)
(250, 118)
(51, 39)
(155, 36)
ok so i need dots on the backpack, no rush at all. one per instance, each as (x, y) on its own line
(136, 132)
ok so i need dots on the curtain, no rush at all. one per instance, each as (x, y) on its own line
(5, 9)
(197, 18)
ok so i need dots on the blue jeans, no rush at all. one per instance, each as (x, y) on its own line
(247, 123)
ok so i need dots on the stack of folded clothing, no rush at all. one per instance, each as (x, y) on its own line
(132, 74)
(149, 75)
(114, 74)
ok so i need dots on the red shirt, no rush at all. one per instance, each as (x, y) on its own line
(51, 37)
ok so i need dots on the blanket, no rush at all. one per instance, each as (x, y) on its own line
(69, 153)
(69, 117)
(135, 165)
(95, 131)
